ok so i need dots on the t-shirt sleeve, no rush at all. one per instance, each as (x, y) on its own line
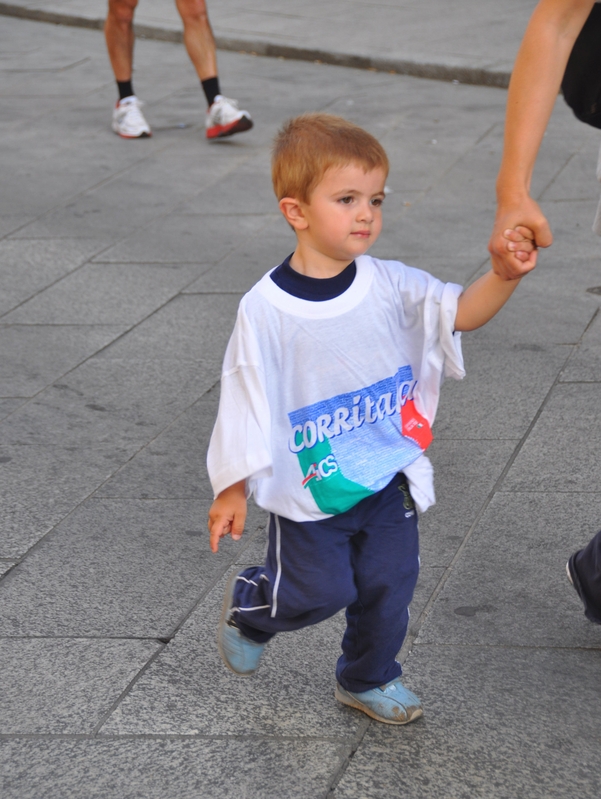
(450, 339)
(430, 307)
(240, 444)
(441, 356)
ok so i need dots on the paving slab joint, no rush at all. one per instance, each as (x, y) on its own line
(364, 725)
(413, 635)
(9, 10)
(475, 76)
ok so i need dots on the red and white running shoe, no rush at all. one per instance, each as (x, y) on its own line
(128, 120)
(224, 118)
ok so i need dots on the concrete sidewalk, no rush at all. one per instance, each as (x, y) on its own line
(121, 267)
(474, 41)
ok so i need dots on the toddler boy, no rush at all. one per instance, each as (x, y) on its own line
(329, 388)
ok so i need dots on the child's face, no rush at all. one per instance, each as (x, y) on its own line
(344, 212)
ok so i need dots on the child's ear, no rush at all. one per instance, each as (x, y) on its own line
(293, 213)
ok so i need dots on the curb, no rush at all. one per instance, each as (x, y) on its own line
(474, 76)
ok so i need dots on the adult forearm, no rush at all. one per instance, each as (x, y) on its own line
(535, 82)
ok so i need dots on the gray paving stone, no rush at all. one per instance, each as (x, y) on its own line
(238, 272)
(173, 465)
(40, 485)
(405, 241)
(187, 238)
(169, 769)
(142, 393)
(30, 266)
(561, 453)
(12, 222)
(558, 298)
(247, 190)
(577, 181)
(490, 728)
(60, 447)
(5, 566)
(428, 580)
(509, 587)
(506, 382)
(189, 328)
(571, 222)
(560, 151)
(18, 110)
(585, 364)
(465, 472)
(189, 691)
(105, 411)
(51, 156)
(117, 207)
(65, 686)
(35, 356)
(114, 568)
(41, 52)
(106, 294)
(10, 404)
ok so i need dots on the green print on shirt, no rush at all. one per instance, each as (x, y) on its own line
(331, 490)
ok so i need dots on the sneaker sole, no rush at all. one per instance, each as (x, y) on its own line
(346, 699)
(220, 132)
(141, 136)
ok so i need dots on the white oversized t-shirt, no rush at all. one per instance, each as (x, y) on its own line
(316, 396)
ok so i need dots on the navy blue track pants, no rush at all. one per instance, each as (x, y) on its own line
(365, 560)
(586, 571)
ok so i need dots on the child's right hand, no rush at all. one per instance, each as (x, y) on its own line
(228, 514)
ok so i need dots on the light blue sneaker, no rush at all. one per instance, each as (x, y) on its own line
(240, 654)
(391, 703)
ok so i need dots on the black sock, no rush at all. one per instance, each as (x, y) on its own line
(125, 89)
(210, 87)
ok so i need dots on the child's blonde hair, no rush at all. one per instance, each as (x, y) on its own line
(308, 145)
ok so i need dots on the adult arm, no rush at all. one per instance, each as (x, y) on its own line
(535, 82)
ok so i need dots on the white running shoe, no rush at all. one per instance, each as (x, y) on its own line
(224, 118)
(128, 120)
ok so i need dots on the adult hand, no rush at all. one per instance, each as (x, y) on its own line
(519, 229)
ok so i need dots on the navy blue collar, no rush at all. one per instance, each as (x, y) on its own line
(315, 289)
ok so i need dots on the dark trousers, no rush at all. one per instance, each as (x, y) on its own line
(585, 567)
(365, 560)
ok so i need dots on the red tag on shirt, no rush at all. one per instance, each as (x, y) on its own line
(415, 426)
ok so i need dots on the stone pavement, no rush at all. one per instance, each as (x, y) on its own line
(474, 41)
(122, 266)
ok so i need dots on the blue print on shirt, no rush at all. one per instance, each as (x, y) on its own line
(363, 430)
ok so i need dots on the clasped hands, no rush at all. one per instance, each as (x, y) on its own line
(520, 229)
